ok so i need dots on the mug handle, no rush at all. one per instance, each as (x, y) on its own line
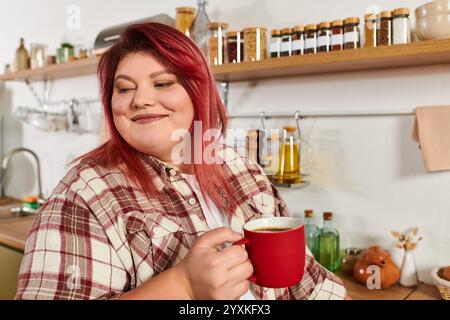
(245, 242)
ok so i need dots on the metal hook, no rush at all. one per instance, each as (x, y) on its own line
(262, 117)
(298, 117)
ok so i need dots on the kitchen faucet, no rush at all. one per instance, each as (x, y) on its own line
(5, 164)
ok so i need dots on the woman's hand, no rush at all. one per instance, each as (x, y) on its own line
(208, 272)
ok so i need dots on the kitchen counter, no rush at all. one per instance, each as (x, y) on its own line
(14, 233)
(358, 291)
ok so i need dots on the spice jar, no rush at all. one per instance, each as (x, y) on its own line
(286, 42)
(255, 44)
(235, 47)
(337, 35)
(385, 34)
(324, 37)
(275, 43)
(401, 26)
(370, 31)
(184, 19)
(216, 43)
(351, 257)
(298, 40)
(311, 39)
(351, 33)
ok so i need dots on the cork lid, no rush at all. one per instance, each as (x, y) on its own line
(185, 10)
(290, 129)
(217, 25)
(299, 28)
(254, 29)
(370, 17)
(311, 27)
(309, 213)
(324, 25)
(328, 216)
(337, 23)
(386, 14)
(351, 20)
(275, 32)
(401, 11)
(286, 31)
(232, 33)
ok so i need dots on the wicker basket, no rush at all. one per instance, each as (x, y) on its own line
(442, 285)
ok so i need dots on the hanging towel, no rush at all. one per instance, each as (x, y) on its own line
(432, 132)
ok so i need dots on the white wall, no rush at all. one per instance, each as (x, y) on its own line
(366, 170)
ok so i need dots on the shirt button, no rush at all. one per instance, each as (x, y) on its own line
(172, 172)
(192, 201)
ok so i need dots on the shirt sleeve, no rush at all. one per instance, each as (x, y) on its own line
(318, 283)
(68, 256)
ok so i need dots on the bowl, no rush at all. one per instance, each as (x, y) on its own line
(433, 27)
(439, 7)
(442, 284)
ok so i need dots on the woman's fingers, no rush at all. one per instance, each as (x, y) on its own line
(232, 256)
(240, 273)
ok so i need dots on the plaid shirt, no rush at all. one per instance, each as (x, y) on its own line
(97, 236)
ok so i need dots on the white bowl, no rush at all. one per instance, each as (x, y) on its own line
(433, 8)
(433, 27)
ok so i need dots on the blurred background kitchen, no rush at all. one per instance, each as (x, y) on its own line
(366, 170)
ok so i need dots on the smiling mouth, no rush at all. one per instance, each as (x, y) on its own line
(145, 119)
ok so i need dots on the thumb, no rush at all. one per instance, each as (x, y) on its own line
(217, 237)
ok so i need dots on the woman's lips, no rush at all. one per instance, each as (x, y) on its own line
(149, 119)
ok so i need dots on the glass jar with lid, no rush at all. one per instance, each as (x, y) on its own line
(255, 44)
(401, 26)
(385, 34)
(184, 19)
(324, 37)
(311, 39)
(298, 40)
(234, 47)
(289, 157)
(286, 42)
(275, 43)
(216, 42)
(351, 257)
(337, 35)
(351, 33)
(370, 31)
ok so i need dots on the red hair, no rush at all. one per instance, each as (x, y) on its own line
(183, 58)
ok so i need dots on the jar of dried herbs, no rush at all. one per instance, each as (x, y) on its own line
(275, 43)
(401, 26)
(298, 40)
(255, 44)
(351, 33)
(311, 39)
(385, 33)
(286, 42)
(234, 47)
(337, 35)
(370, 31)
(216, 42)
(324, 37)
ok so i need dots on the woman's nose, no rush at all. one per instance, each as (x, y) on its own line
(144, 97)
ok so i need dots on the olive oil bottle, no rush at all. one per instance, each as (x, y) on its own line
(329, 244)
(311, 233)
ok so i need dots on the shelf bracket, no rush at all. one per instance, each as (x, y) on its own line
(42, 102)
(225, 89)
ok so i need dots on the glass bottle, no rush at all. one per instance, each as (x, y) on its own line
(329, 244)
(255, 44)
(311, 39)
(199, 30)
(401, 26)
(311, 233)
(370, 31)
(22, 59)
(275, 43)
(324, 37)
(337, 35)
(234, 47)
(216, 43)
(351, 33)
(289, 158)
(385, 34)
(298, 40)
(286, 42)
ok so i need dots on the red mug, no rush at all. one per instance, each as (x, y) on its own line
(278, 257)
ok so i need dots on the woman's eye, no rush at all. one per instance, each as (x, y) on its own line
(164, 84)
(124, 90)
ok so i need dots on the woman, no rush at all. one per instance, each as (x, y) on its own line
(130, 222)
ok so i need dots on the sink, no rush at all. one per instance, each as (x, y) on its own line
(11, 209)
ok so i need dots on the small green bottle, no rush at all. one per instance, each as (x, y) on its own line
(311, 233)
(329, 244)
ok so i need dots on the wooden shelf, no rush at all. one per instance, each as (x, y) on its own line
(57, 71)
(408, 55)
(397, 56)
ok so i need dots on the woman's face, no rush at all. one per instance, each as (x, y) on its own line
(148, 104)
